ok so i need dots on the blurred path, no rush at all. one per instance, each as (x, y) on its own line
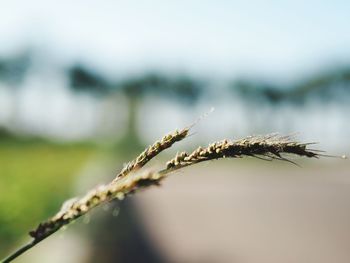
(247, 211)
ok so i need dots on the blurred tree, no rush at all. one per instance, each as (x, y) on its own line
(323, 85)
(181, 88)
(13, 69)
(85, 80)
(259, 91)
(12, 73)
(331, 85)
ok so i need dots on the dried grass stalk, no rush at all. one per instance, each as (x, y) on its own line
(130, 179)
(102, 194)
(268, 147)
(166, 142)
(116, 189)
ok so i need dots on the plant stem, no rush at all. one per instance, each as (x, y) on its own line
(25, 248)
(19, 251)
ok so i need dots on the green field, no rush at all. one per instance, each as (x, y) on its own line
(34, 179)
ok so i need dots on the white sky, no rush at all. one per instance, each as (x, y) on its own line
(221, 38)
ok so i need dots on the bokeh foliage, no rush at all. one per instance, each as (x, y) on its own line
(35, 176)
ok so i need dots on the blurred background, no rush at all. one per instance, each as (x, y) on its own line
(86, 85)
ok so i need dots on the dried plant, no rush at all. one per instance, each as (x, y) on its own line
(130, 179)
(166, 142)
(269, 146)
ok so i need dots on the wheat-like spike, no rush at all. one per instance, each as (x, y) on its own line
(166, 142)
(108, 192)
(102, 194)
(270, 146)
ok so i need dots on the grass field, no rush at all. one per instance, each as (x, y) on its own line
(34, 179)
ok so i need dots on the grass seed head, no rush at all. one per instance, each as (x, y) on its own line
(149, 153)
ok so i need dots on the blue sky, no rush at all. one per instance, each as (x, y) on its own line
(273, 39)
